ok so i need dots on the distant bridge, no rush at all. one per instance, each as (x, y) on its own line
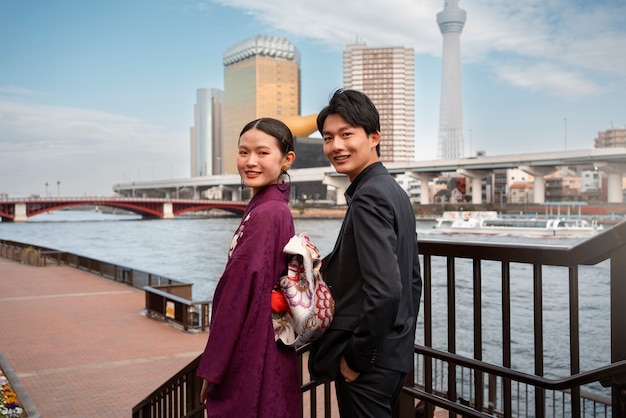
(19, 210)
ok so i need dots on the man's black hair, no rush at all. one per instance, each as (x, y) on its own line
(356, 108)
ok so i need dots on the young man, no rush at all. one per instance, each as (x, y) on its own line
(373, 272)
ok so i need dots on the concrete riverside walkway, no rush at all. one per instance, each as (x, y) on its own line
(80, 344)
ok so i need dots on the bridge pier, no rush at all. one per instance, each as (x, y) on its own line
(539, 182)
(614, 173)
(236, 193)
(614, 188)
(477, 187)
(340, 184)
(20, 213)
(424, 178)
(168, 210)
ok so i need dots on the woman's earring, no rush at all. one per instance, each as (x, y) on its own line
(281, 180)
(242, 185)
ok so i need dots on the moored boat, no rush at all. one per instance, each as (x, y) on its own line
(489, 223)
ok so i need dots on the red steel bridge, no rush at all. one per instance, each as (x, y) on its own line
(20, 209)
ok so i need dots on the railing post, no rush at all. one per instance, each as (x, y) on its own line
(540, 394)
(493, 394)
(205, 317)
(186, 322)
(618, 331)
(619, 401)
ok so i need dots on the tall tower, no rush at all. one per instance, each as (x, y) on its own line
(387, 76)
(451, 21)
(205, 134)
(261, 79)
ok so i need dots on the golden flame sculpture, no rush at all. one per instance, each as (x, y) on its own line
(301, 125)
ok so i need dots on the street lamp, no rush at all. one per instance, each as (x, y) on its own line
(59, 188)
(565, 132)
(46, 189)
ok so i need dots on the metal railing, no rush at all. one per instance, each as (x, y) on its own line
(179, 397)
(450, 369)
(492, 384)
(43, 256)
(33, 256)
(466, 384)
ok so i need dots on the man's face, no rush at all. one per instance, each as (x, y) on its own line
(348, 148)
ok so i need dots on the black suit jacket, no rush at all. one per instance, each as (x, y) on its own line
(374, 276)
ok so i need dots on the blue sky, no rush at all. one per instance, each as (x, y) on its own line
(94, 93)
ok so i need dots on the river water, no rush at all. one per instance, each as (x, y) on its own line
(194, 249)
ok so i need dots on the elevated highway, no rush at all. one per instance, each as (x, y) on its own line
(611, 161)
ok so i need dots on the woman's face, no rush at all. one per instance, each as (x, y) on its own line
(260, 160)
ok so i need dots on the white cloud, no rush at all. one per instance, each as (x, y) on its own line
(88, 150)
(14, 91)
(337, 23)
(547, 77)
(570, 41)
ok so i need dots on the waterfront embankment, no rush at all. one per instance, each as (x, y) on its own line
(312, 212)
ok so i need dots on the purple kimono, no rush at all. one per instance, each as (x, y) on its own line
(251, 376)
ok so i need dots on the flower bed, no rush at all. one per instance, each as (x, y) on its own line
(9, 404)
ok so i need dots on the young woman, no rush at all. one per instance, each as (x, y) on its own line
(246, 374)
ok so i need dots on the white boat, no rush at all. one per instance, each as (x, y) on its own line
(489, 223)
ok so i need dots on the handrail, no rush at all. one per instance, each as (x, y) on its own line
(588, 252)
(174, 297)
(601, 374)
(464, 411)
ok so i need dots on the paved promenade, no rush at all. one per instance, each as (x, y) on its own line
(80, 344)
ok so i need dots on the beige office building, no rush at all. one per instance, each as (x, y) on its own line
(261, 79)
(611, 138)
(387, 76)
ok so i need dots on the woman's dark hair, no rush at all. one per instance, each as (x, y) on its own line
(356, 108)
(275, 128)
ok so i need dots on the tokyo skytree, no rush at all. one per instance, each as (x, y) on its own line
(450, 142)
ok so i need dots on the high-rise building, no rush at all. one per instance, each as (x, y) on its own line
(450, 142)
(261, 79)
(611, 138)
(387, 76)
(206, 133)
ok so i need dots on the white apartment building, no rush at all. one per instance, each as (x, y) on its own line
(387, 76)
